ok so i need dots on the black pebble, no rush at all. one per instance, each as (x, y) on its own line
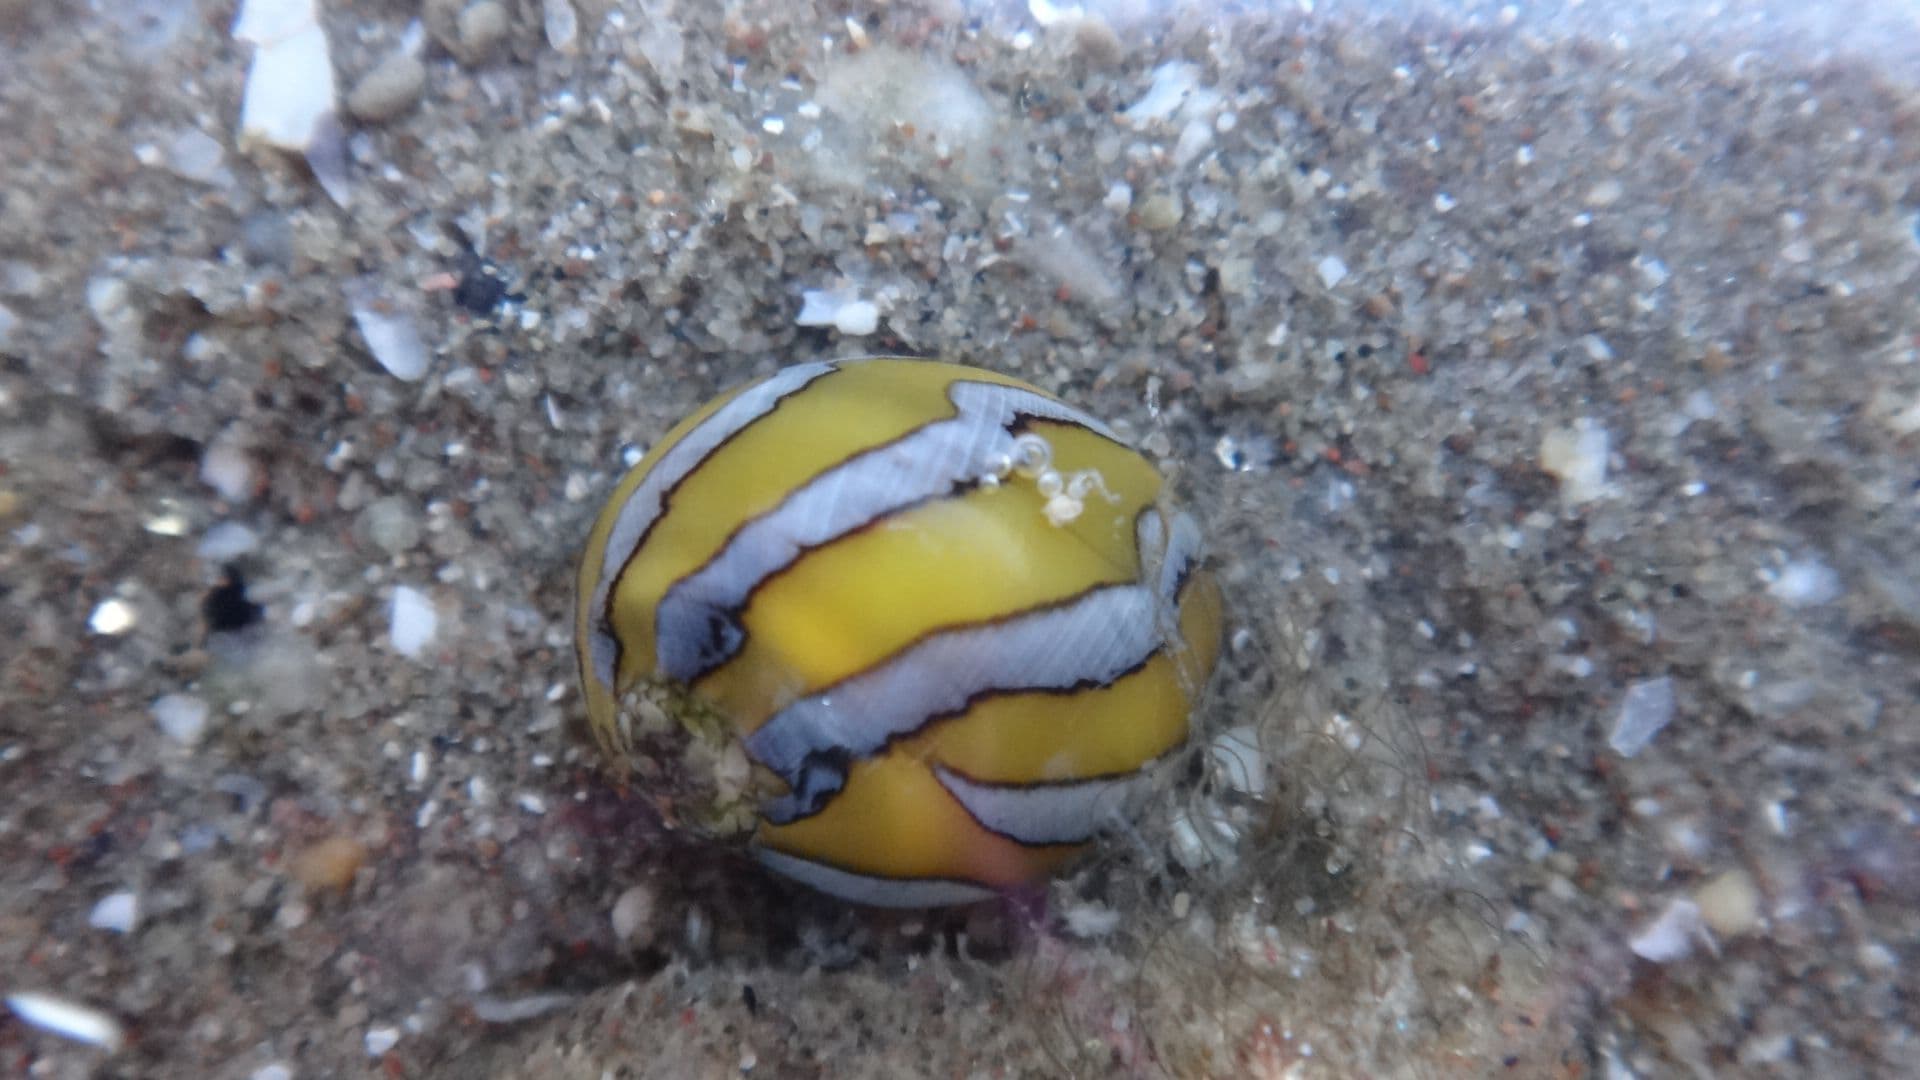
(226, 607)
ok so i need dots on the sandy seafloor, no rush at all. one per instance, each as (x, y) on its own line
(1532, 367)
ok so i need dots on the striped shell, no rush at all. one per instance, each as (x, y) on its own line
(949, 620)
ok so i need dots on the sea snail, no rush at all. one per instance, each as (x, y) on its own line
(917, 628)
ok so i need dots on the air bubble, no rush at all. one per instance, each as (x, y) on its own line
(1031, 454)
(1062, 509)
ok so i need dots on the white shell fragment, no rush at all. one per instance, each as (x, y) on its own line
(1201, 835)
(262, 21)
(1237, 761)
(1047, 13)
(1089, 921)
(842, 309)
(1671, 935)
(394, 342)
(290, 86)
(112, 617)
(1644, 711)
(81, 1023)
(1172, 83)
(414, 622)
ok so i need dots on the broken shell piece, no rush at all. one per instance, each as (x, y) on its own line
(290, 86)
(843, 309)
(290, 93)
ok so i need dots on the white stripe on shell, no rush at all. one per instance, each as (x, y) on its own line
(1049, 813)
(647, 501)
(873, 891)
(698, 626)
(1089, 641)
(1178, 558)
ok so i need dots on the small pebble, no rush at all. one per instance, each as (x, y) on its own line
(329, 864)
(108, 300)
(1095, 39)
(1160, 212)
(391, 88)
(1646, 708)
(562, 24)
(1730, 904)
(1806, 582)
(414, 621)
(379, 1040)
(633, 916)
(182, 717)
(1577, 455)
(227, 469)
(1090, 921)
(1767, 1048)
(118, 912)
(195, 155)
(1604, 194)
(226, 541)
(392, 524)
(1332, 271)
(481, 27)
(1875, 956)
